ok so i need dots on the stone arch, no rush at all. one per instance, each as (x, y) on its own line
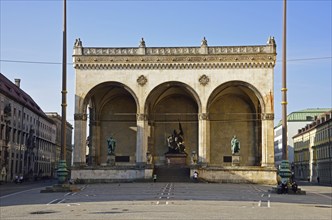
(113, 109)
(235, 108)
(166, 106)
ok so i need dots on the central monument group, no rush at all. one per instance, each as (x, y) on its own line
(140, 108)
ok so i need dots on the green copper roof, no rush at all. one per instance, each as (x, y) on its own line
(305, 115)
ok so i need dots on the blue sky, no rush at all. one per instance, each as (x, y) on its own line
(32, 31)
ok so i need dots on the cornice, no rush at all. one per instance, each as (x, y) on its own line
(175, 62)
(174, 66)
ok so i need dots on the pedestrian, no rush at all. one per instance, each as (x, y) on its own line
(154, 177)
(195, 176)
(16, 179)
(317, 179)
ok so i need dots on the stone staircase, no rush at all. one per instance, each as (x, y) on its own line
(172, 174)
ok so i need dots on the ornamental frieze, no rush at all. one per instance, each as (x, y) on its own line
(124, 66)
(174, 59)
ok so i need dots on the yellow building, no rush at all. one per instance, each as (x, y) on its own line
(313, 150)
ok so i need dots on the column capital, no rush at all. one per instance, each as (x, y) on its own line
(80, 117)
(203, 116)
(141, 117)
(267, 116)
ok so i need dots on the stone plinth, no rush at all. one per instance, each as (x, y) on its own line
(239, 174)
(175, 159)
(110, 160)
(107, 174)
(236, 160)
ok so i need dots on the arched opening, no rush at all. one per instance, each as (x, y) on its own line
(112, 113)
(169, 106)
(235, 110)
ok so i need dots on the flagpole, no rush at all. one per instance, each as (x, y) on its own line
(284, 90)
(62, 168)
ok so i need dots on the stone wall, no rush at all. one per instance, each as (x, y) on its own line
(108, 174)
(239, 175)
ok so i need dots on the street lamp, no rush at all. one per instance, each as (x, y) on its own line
(284, 90)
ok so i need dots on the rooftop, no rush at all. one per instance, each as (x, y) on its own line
(308, 114)
(16, 93)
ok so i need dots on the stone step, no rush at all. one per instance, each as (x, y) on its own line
(172, 174)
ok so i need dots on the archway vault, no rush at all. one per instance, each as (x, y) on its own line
(235, 109)
(168, 106)
(112, 110)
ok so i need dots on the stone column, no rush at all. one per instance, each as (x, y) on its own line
(95, 142)
(80, 139)
(141, 139)
(203, 139)
(267, 140)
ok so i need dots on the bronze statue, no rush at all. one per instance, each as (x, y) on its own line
(235, 145)
(111, 143)
(175, 141)
(78, 43)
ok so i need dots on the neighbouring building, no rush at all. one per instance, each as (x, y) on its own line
(313, 150)
(57, 119)
(142, 97)
(27, 135)
(295, 121)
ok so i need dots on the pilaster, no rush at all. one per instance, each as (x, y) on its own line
(142, 138)
(267, 140)
(80, 139)
(203, 141)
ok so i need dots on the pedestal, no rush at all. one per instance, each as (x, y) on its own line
(235, 160)
(193, 158)
(62, 172)
(176, 159)
(148, 158)
(110, 160)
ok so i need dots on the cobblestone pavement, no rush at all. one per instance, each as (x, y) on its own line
(168, 201)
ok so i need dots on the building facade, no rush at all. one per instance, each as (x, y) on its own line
(27, 135)
(140, 96)
(313, 150)
(295, 121)
(57, 119)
